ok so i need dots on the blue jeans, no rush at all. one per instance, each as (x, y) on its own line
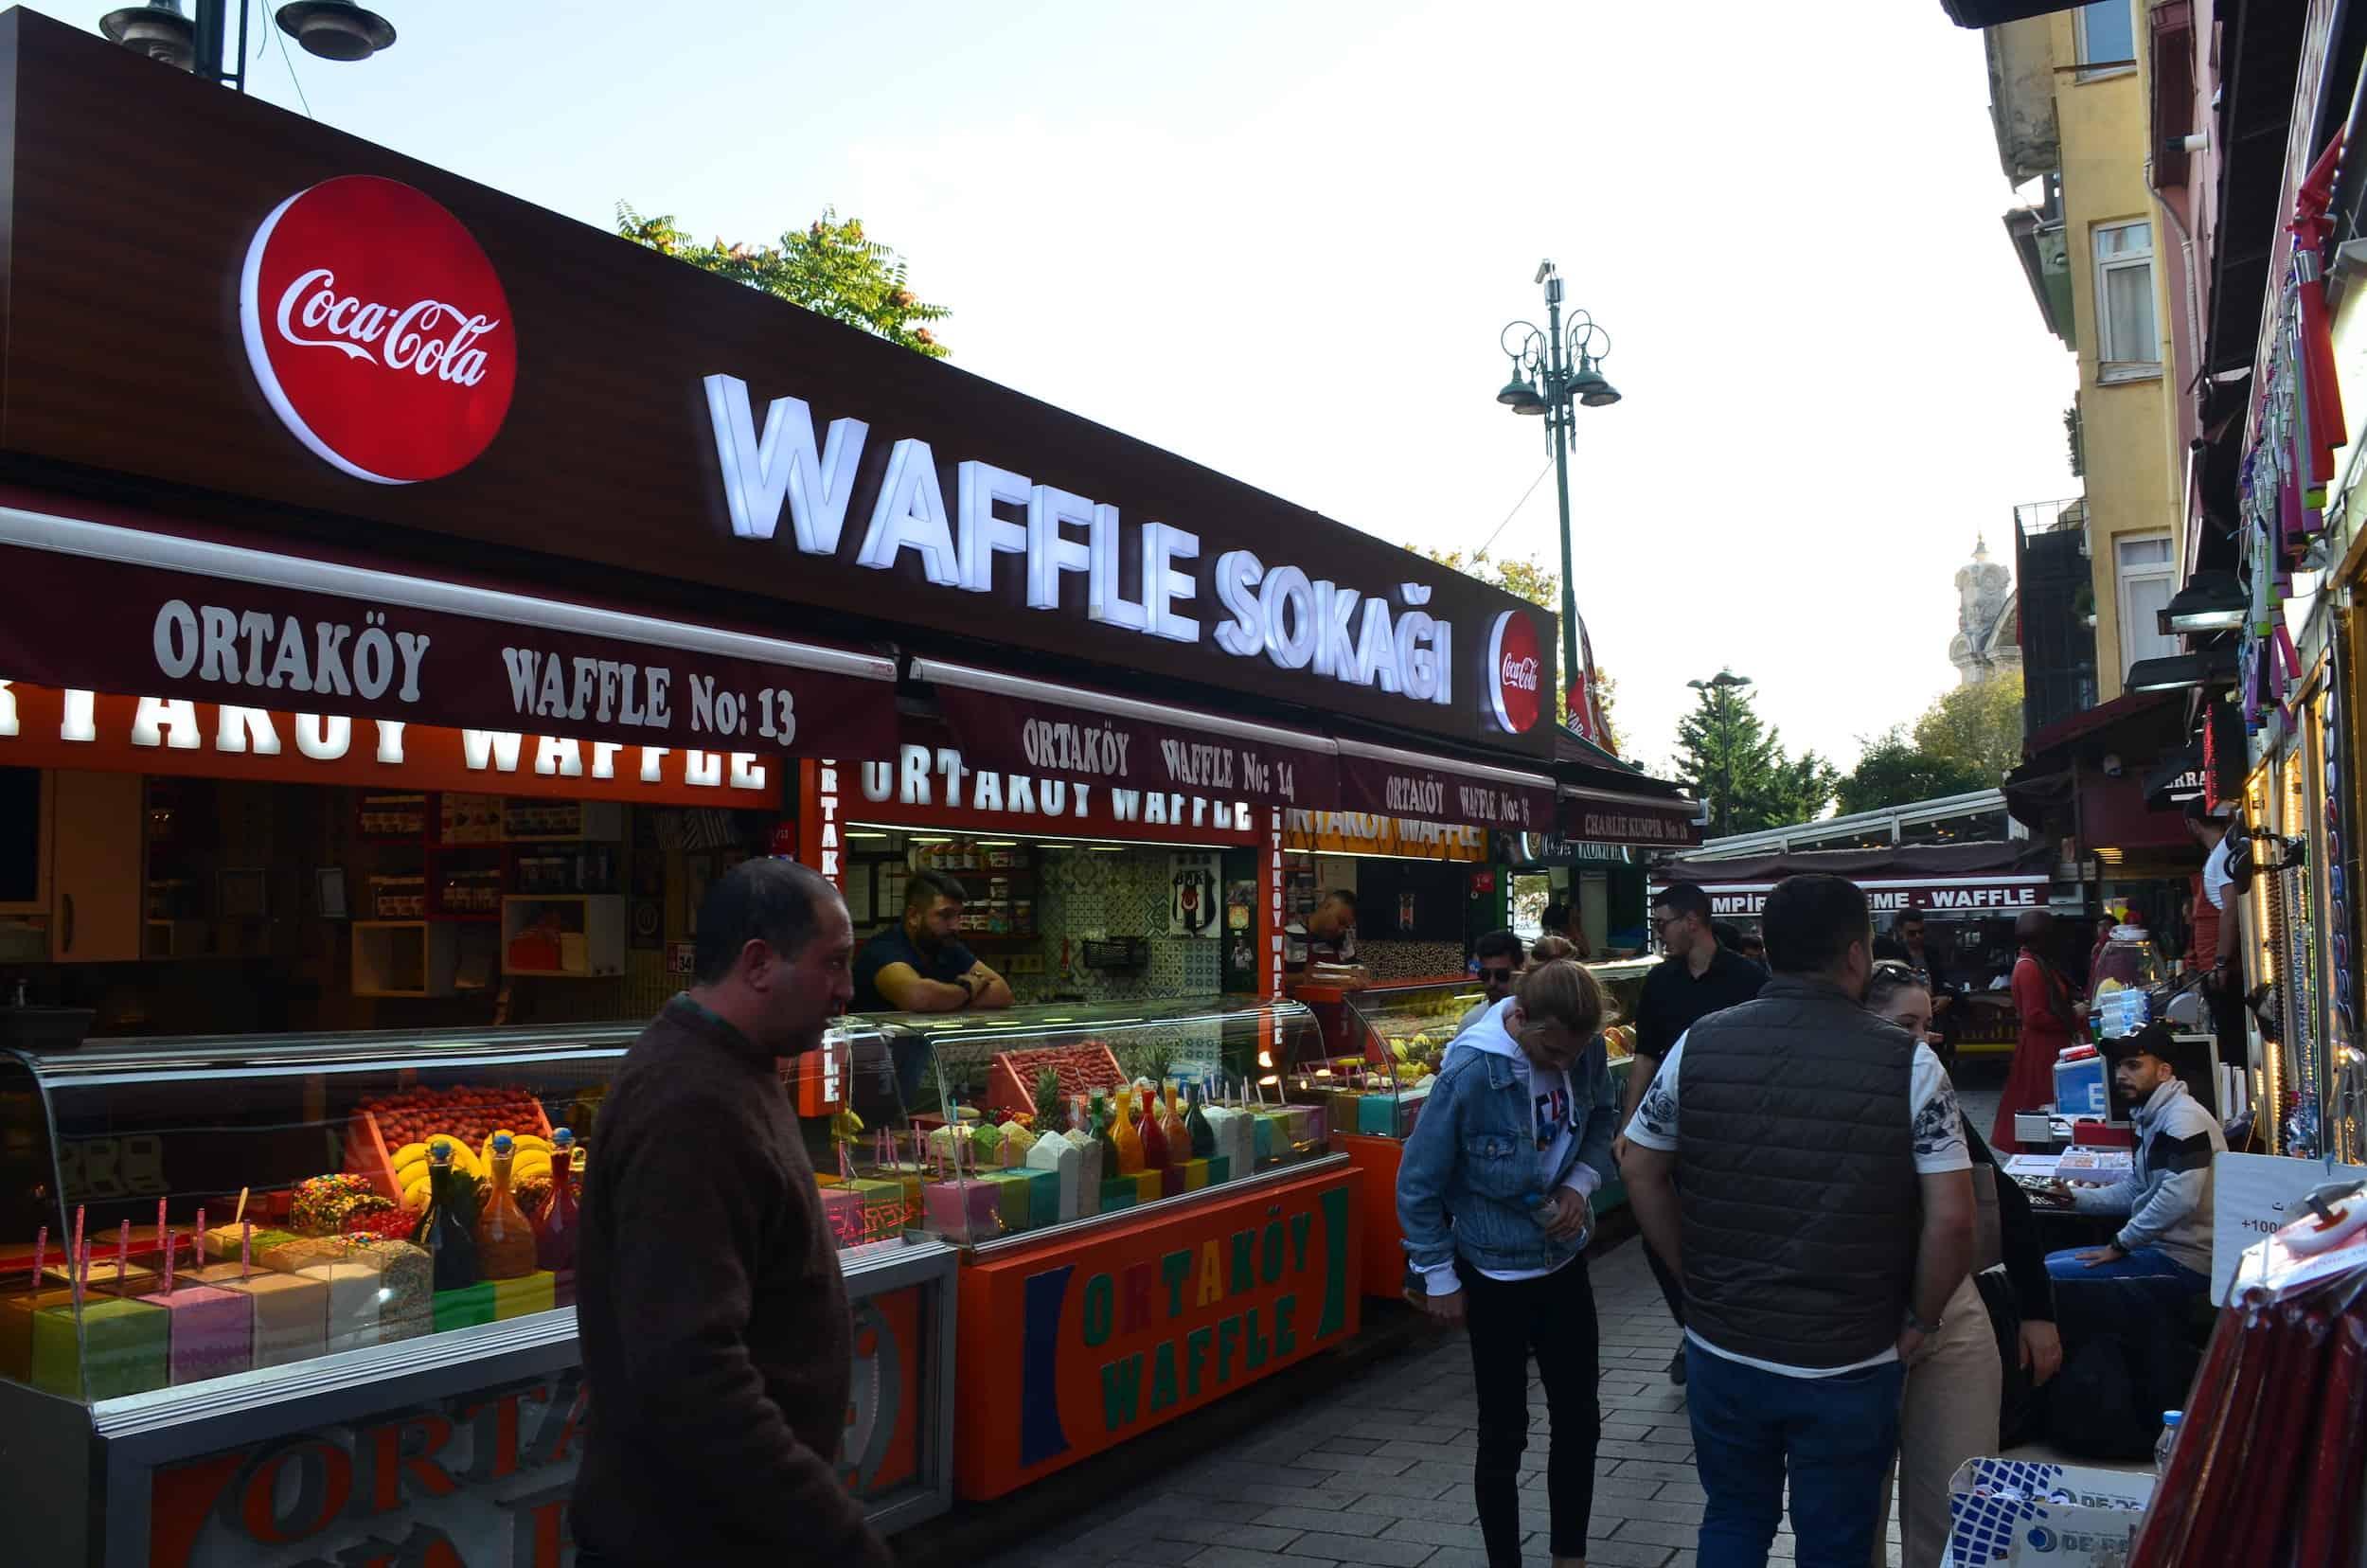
(1835, 1436)
(2147, 1286)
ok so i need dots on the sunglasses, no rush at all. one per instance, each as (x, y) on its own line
(1890, 969)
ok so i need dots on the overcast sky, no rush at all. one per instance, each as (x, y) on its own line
(1281, 237)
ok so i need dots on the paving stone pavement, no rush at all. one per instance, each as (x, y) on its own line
(1380, 1472)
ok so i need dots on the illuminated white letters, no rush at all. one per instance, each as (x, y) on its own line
(759, 473)
(156, 715)
(984, 536)
(326, 740)
(8, 709)
(910, 513)
(1163, 585)
(1051, 552)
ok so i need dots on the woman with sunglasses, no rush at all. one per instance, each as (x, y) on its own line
(1956, 1377)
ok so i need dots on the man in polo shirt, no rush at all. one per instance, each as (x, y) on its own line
(918, 966)
(1826, 1219)
(1700, 976)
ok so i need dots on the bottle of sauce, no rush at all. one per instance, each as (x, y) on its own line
(1153, 1136)
(1123, 1134)
(1197, 1130)
(504, 1243)
(449, 1235)
(555, 1227)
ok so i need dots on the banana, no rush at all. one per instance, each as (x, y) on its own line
(409, 1153)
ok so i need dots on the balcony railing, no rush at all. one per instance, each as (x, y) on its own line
(2033, 518)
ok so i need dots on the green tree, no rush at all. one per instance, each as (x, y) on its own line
(1895, 772)
(1540, 585)
(830, 267)
(1977, 726)
(1728, 756)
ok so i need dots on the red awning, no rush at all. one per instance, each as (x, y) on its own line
(101, 607)
(2103, 716)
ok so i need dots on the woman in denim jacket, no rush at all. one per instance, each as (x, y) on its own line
(1493, 1200)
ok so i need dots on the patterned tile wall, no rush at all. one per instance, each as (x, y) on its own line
(1088, 894)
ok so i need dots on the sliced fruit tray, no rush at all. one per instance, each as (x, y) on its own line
(1082, 1069)
(383, 1127)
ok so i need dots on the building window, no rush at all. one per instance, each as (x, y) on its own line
(2108, 33)
(2148, 577)
(2128, 344)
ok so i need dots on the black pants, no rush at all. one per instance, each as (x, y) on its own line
(1553, 1318)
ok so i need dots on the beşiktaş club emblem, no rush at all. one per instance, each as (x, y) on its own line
(378, 330)
(1517, 671)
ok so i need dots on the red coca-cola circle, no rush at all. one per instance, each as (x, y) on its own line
(1516, 671)
(378, 330)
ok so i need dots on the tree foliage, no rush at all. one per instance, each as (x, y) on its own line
(1895, 771)
(830, 267)
(1541, 586)
(1976, 726)
(1731, 758)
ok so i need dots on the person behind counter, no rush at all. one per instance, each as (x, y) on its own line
(2049, 1018)
(1494, 1200)
(918, 966)
(1698, 976)
(715, 1329)
(1327, 935)
(1566, 921)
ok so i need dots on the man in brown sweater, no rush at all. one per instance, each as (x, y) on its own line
(712, 1315)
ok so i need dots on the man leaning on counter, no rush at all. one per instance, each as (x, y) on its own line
(918, 966)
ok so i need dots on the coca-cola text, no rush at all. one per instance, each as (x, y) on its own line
(396, 338)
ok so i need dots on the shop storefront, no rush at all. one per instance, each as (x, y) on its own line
(478, 588)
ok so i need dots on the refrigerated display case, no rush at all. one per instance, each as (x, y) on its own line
(257, 1327)
(984, 1161)
(1108, 1287)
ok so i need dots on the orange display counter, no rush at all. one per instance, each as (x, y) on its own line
(1070, 1346)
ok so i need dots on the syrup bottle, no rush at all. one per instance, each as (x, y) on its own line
(555, 1227)
(1122, 1134)
(1153, 1136)
(504, 1243)
(1198, 1131)
(444, 1231)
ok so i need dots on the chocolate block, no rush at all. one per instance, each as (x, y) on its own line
(16, 1330)
(126, 1343)
(1220, 1169)
(1149, 1186)
(1194, 1175)
(139, 1278)
(211, 1332)
(352, 1303)
(1119, 1192)
(291, 1315)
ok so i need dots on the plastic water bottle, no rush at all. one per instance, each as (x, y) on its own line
(2168, 1440)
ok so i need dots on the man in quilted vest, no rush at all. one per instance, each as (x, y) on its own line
(1825, 1218)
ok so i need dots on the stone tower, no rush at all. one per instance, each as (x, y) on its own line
(1988, 624)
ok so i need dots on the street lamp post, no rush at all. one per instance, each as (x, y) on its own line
(1720, 688)
(1555, 375)
(333, 29)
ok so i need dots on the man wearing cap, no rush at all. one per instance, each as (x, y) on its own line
(2161, 1254)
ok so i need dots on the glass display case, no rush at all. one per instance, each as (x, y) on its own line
(1623, 988)
(1395, 1042)
(1022, 1121)
(208, 1243)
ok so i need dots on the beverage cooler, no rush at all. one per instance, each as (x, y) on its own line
(260, 1355)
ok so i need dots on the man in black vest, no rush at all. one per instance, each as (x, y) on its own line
(1825, 1218)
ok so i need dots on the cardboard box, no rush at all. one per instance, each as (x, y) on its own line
(2007, 1514)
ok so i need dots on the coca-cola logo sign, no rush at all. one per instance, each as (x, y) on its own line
(1517, 672)
(378, 330)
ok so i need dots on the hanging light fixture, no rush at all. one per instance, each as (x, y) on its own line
(1591, 387)
(156, 30)
(335, 29)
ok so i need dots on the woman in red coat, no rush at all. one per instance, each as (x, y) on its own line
(2049, 1017)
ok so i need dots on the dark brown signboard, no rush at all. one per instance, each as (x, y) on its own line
(1661, 823)
(283, 306)
(102, 607)
(1120, 745)
(1383, 782)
